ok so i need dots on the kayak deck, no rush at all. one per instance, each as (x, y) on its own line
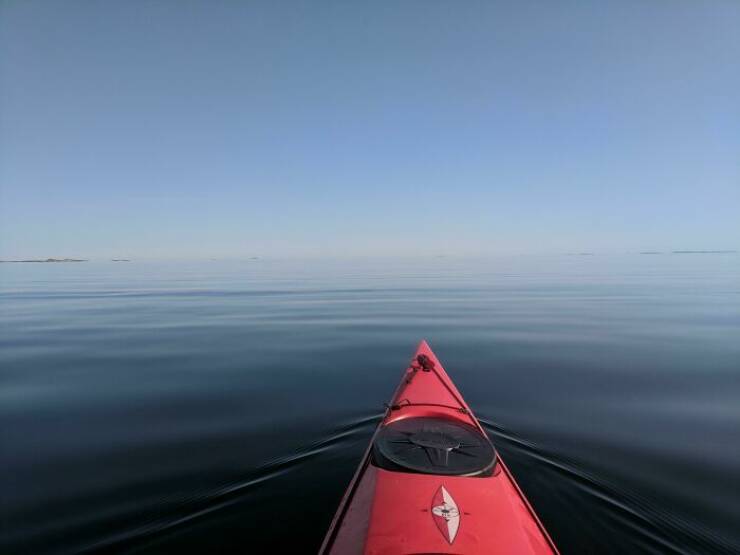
(430, 481)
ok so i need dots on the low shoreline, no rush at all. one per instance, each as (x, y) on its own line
(40, 260)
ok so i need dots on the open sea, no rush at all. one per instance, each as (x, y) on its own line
(222, 406)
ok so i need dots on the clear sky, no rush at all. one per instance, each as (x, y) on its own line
(215, 128)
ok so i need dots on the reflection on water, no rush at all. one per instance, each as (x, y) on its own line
(218, 406)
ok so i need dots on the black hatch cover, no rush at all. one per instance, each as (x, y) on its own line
(433, 446)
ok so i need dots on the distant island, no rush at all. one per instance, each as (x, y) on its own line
(120, 260)
(704, 252)
(48, 260)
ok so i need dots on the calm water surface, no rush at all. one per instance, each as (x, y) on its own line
(223, 406)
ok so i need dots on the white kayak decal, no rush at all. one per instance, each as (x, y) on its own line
(445, 513)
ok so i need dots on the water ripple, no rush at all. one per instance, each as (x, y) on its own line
(661, 530)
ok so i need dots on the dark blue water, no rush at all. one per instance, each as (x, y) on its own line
(223, 406)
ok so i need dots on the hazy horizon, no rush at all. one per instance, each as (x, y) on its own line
(228, 130)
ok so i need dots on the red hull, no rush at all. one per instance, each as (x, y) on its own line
(396, 512)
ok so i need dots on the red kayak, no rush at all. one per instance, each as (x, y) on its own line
(431, 481)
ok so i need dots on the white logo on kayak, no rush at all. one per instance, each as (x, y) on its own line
(446, 514)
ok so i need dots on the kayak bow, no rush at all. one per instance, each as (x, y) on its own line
(431, 481)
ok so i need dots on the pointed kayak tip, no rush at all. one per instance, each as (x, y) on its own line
(426, 350)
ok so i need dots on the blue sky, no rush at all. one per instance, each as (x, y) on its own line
(210, 129)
